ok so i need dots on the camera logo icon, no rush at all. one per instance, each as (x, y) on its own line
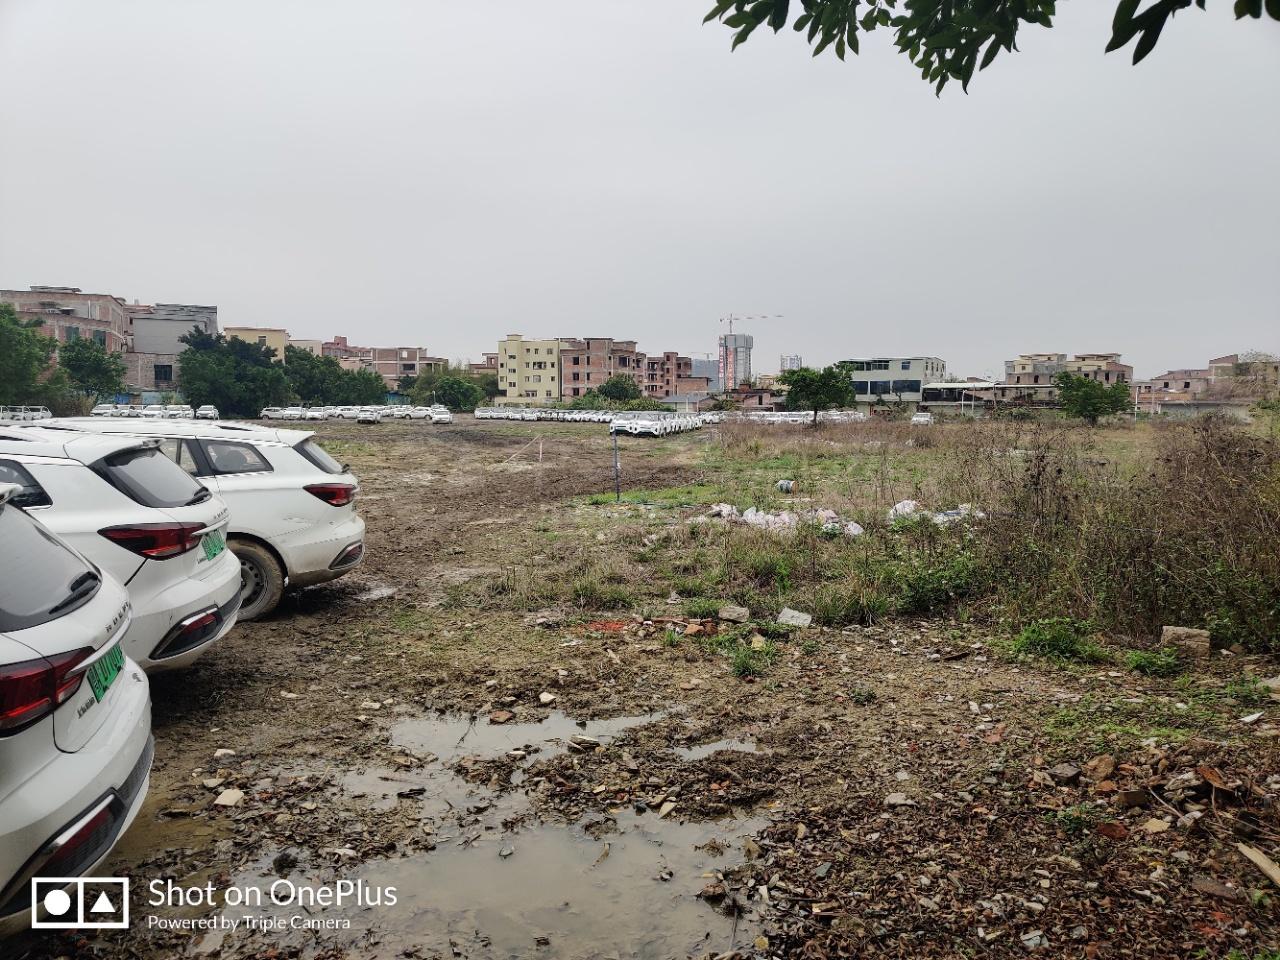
(79, 903)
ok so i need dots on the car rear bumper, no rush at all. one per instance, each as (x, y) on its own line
(156, 615)
(311, 556)
(81, 802)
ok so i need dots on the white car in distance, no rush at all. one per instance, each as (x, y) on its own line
(207, 412)
(121, 503)
(293, 515)
(75, 713)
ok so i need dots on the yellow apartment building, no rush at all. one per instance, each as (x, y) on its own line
(528, 371)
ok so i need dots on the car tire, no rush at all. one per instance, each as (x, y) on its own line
(261, 579)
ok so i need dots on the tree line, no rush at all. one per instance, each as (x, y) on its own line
(831, 388)
(37, 370)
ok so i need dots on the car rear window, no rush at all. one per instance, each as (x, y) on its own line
(147, 476)
(36, 572)
(317, 456)
(32, 495)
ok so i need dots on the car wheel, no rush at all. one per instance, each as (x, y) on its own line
(261, 579)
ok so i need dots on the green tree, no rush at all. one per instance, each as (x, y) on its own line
(360, 388)
(949, 39)
(1089, 400)
(456, 393)
(26, 356)
(817, 390)
(312, 380)
(488, 384)
(620, 387)
(91, 369)
(237, 377)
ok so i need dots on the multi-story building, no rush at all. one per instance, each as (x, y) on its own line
(1032, 369)
(586, 363)
(277, 338)
(1256, 374)
(313, 347)
(1102, 367)
(1173, 385)
(395, 363)
(68, 313)
(528, 371)
(159, 327)
(668, 374)
(735, 359)
(790, 361)
(894, 379)
(391, 363)
(488, 365)
(1039, 369)
(338, 347)
(709, 370)
(151, 365)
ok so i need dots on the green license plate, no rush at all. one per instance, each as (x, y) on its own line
(214, 543)
(102, 673)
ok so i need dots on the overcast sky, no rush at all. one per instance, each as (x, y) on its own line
(443, 172)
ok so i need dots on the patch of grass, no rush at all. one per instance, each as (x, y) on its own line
(1074, 820)
(862, 696)
(408, 618)
(670, 638)
(689, 495)
(841, 604)
(594, 593)
(933, 585)
(701, 608)
(1247, 691)
(1126, 723)
(749, 661)
(775, 631)
(1059, 638)
(1154, 663)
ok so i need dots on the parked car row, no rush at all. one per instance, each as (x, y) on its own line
(365, 414)
(131, 546)
(155, 411)
(795, 417)
(24, 414)
(545, 413)
(650, 424)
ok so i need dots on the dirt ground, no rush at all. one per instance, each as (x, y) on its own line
(552, 773)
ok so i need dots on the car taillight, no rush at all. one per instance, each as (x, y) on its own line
(156, 540)
(334, 494)
(34, 688)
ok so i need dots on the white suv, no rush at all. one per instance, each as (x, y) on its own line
(293, 515)
(75, 713)
(123, 504)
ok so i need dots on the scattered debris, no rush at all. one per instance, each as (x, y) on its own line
(1261, 861)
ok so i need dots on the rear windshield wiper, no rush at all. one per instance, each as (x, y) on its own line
(76, 589)
(201, 496)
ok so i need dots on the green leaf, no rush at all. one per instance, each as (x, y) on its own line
(992, 49)
(1147, 42)
(778, 15)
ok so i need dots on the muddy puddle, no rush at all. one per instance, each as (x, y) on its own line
(450, 736)
(733, 745)
(494, 882)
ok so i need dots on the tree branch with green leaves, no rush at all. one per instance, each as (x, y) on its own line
(949, 39)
